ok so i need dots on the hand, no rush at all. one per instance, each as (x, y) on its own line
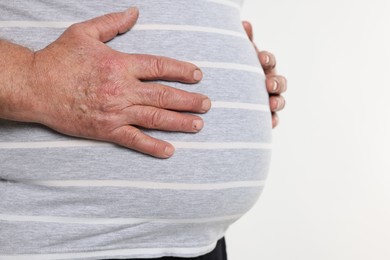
(276, 84)
(84, 88)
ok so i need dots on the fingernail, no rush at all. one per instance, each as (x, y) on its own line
(206, 105)
(278, 104)
(132, 11)
(197, 125)
(197, 75)
(267, 59)
(275, 86)
(169, 150)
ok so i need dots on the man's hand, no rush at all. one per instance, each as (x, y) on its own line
(81, 87)
(276, 84)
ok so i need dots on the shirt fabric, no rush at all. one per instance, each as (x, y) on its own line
(67, 198)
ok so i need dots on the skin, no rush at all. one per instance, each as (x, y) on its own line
(80, 87)
(276, 84)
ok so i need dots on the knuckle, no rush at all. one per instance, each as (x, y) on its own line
(181, 71)
(107, 82)
(194, 101)
(132, 137)
(155, 119)
(109, 17)
(185, 123)
(157, 148)
(109, 72)
(158, 66)
(75, 28)
(163, 95)
(107, 91)
(109, 121)
(182, 123)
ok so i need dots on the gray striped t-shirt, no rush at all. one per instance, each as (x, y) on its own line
(67, 198)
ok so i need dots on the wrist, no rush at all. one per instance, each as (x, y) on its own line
(16, 84)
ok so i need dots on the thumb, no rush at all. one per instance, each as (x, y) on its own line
(106, 27)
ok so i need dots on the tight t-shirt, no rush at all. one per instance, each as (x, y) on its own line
(68, 198)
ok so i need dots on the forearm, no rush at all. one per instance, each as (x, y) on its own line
(16, 101)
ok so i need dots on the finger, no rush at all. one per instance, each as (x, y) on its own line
(135, 139)
(161, 96)
(151, 67)
(276, 84)
(161, 119)
(268, 62)
(275, 120)
(106, 27)
(248, 29)
(277, 103)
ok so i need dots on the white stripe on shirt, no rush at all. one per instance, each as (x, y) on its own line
(112, 221)
(228, 65)
(237, 105)
(144, 184)
(178, 145)
(137, 27)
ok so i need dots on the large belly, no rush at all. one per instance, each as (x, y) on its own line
(215, 175)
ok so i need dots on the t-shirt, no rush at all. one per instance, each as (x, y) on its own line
(68, 198)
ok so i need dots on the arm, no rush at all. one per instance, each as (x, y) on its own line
(276, 84)
(80, 87)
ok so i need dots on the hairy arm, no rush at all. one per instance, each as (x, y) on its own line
(15, 94)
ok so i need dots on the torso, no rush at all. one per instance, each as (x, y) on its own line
(62, 195)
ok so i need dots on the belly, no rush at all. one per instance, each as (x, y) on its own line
(215, 175)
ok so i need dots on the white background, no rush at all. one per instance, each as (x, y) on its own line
(328, 191)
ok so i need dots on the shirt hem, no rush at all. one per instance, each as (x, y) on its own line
(119, 253)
